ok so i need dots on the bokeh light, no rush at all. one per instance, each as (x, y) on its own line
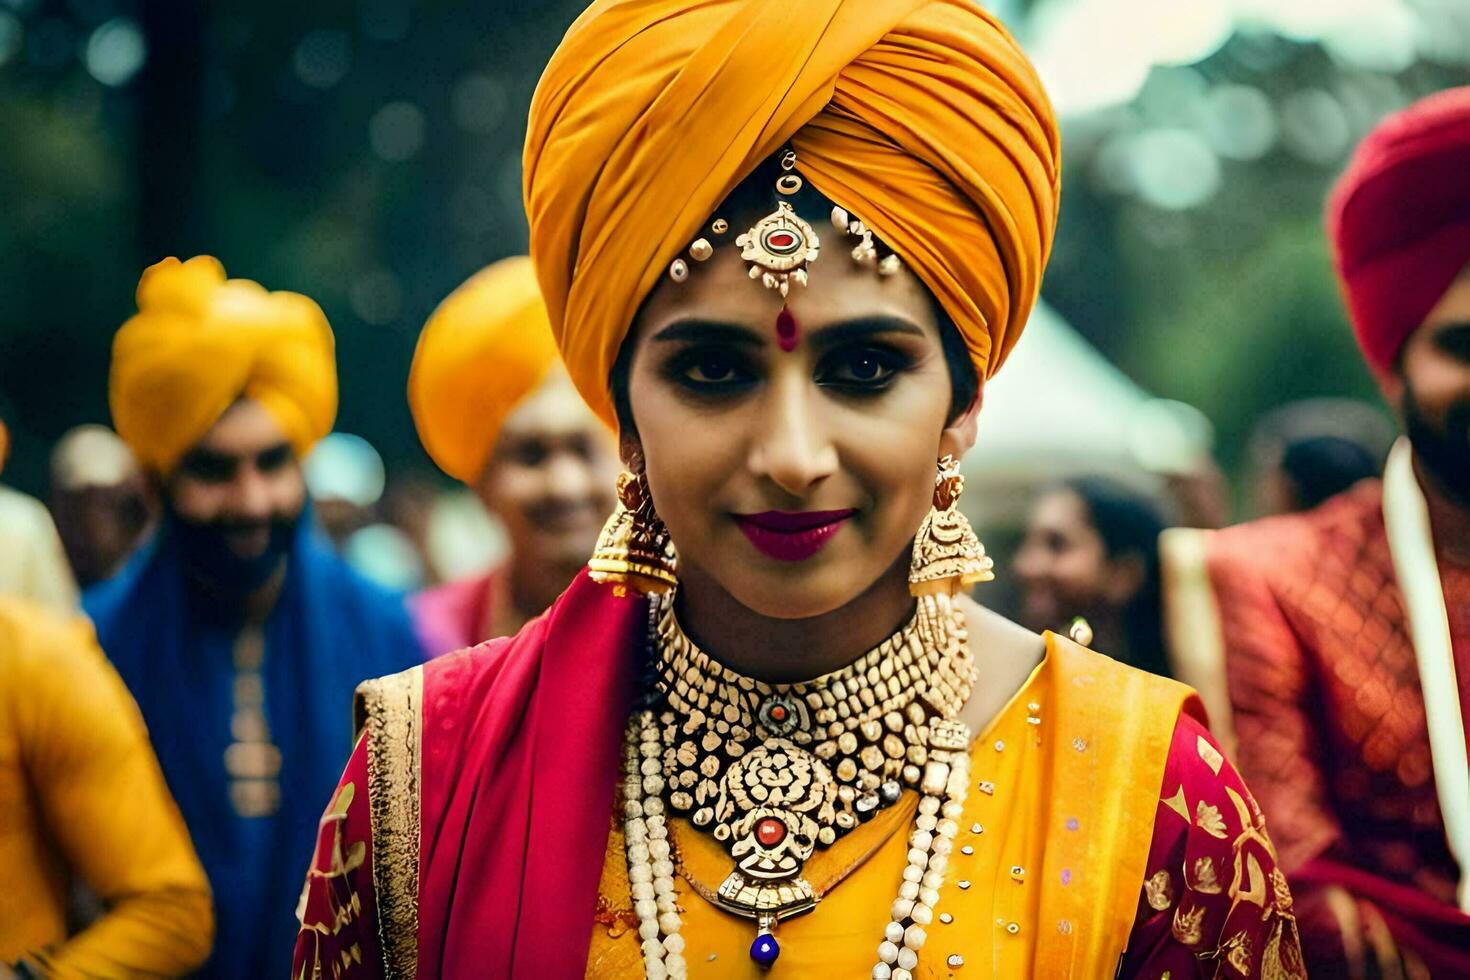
(323, 58)
(116, 51)
(396, 131)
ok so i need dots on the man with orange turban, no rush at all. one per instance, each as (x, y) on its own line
(238, 630)
(495, 410)
(1343, 634)
(659, 128)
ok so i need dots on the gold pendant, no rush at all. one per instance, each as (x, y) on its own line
(776, 802)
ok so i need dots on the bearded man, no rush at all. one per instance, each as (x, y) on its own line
(238, 630)
(1343, 633)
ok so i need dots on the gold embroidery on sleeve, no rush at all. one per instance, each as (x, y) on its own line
(1160, 890)
(1206, 882)
(1280, 891)
(1178, 804)
(1238, 953)
(1209, 754)
(392, 707)
(1189, 924)
(342, 900)
(1208, 819)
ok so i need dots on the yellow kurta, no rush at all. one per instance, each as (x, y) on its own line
(1064, 787)
(81, 793)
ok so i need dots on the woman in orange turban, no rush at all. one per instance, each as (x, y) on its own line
(782, 246)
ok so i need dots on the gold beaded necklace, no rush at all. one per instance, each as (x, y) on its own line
(773, 771)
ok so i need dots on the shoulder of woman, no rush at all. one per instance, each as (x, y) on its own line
(992, 634)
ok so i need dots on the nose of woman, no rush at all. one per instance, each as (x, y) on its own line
(791, 445)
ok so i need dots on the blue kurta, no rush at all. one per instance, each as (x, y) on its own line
(330, 629)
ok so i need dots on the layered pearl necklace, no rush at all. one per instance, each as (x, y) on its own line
(778, 769)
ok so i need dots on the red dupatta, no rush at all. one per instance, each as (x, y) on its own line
(520, 742)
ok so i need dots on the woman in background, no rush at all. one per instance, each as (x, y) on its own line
(1092, 550)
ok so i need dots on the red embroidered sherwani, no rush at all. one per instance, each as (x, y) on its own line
(1329, 717)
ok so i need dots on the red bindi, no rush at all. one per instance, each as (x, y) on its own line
(786, 333)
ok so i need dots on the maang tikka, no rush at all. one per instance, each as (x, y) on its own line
(782, 246)
(634, 548)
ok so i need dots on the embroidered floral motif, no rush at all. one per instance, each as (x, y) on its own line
(1280, 891)
(1281, 959)
(1189, 924)
(1160, 890)
(1208, 819)
(1238, 953)
(1206, 882)
(329, 902)
(1178, 804)
(1248, 871)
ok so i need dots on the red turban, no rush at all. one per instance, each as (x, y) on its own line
(1399, 221)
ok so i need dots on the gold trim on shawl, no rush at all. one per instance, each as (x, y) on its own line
(390, 709)
(1411, 543)
(1192, 628)
(1113, 729)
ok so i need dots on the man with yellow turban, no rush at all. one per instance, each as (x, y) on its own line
(237, 629)
(495, 410)
(782, 246)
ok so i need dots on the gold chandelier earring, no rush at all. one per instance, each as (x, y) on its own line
(634, 548)
(947, 558)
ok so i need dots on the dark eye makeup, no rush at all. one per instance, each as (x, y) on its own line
(854, 370)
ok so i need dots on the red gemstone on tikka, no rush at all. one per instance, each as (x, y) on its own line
(770, 831)
(781, 240)
(778, 713)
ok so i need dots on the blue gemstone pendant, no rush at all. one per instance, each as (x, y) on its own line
(765, 949)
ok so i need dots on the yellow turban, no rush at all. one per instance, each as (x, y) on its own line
(486, 347)
(921, 117)
(200, 342)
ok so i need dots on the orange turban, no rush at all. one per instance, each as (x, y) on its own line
(200, 342)
(486, 347)
(921, 117)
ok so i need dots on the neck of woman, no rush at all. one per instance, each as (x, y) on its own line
(782, 651)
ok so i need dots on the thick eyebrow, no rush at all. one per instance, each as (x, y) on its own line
(280, 449)
(691, 330)
(694, 330)
(204, 456)
(861, 329)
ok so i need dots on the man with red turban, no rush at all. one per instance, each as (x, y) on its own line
(1345, 631)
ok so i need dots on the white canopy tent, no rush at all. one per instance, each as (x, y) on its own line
(1060, 408)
